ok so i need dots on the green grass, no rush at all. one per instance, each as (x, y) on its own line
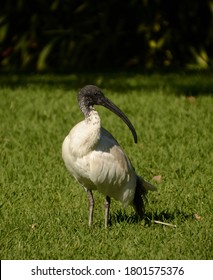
(44, 212)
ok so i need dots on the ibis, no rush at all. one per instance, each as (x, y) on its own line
(96, 160)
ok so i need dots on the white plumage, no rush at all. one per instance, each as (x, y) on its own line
(95, 159)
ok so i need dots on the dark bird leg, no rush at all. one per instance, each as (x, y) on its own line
(106, 210)
(91, 206)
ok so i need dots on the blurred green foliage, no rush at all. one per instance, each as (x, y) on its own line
(68, 35)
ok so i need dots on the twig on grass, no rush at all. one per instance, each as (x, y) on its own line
(165, 224)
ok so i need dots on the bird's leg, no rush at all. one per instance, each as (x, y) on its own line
(106, 210)
(91, 206)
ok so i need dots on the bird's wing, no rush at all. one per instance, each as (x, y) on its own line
(110, 169)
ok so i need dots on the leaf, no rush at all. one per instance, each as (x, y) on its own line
(157, 178)
(42, 59)
(197, 217)
(3, 32)
(190, 99)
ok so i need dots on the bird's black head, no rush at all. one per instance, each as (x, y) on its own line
(91, 95)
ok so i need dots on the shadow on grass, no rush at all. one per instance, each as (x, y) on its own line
(121, 217)
(163, 216)
(182, 83)
(167, 217)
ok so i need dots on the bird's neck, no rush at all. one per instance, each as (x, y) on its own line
(85, 136)
(92, 130)
(94, 127)
(85, 107)
(93, 118)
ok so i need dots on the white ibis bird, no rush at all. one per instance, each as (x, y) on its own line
(93, 156)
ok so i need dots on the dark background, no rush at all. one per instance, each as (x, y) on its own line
(68, 35)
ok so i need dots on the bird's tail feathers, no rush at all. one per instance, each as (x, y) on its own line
(142, 187)
(147, 186)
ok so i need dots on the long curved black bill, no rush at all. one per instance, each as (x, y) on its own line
(112, 107)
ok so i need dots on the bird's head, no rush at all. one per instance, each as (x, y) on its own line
(91, 95)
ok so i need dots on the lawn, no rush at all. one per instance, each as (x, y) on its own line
(44, 212)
